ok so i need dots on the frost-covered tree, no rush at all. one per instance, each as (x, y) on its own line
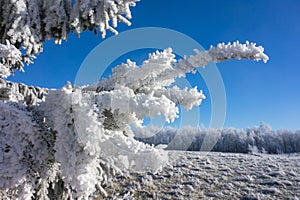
(67, 143)
(92, 125)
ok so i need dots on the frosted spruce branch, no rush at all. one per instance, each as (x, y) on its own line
(98, 14)
(133, 92)
(26, 24)
(9, 56)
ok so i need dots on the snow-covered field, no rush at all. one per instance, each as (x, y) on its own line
(200, 175)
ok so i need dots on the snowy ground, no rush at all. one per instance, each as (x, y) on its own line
(197, 175)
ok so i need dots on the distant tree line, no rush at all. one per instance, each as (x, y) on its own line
(260, 139)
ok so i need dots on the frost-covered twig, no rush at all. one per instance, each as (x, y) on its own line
(228, 51)
(220, 53)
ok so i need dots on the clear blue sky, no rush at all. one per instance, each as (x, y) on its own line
(255, 91)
